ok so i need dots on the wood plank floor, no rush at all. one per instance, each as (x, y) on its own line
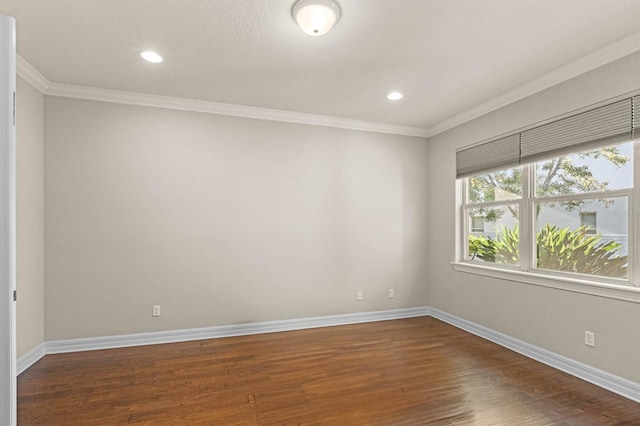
(417, 371)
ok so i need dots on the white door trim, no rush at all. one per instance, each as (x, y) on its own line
(8, 391)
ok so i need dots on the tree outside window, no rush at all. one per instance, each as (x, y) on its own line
(566, 195)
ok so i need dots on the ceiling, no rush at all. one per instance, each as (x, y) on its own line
(447, 56)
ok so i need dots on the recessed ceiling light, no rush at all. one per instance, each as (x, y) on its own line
(394, 96)
(150, 56)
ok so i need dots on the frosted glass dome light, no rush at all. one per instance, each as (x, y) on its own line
(316, 17)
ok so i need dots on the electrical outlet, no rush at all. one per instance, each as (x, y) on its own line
(360, 295)
(156, 311)
(590, 338)
(392, 293)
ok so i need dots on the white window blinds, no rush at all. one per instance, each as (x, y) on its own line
(493, 155)
(601, 126)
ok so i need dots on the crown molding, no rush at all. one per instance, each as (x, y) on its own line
(616, 50)
(608, 54)
(29, 73)
(159, 101)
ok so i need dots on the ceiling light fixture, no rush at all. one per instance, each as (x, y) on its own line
(316, 17)
(150, 56)
(395, 96)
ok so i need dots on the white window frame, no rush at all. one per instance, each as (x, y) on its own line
(526, 206)
(465, 205)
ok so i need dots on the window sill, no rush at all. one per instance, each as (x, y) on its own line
(611, 291)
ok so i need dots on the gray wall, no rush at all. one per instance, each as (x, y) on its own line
(550, 318)
(30, 217)
(223, 220)
(227, 220)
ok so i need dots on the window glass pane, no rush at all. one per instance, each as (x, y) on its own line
(499, 239)
(564, 241)
(496, 186)
(604, 169)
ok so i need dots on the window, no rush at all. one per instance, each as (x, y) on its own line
(477, 224)
(561, 205)
(568, 194)
(588, 220)
(570, 191)
(494, 198)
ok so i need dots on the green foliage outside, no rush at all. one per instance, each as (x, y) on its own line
(558, 176)
(558, 250)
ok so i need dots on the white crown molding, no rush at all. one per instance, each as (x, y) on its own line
(172, 336)
(159, 101)
(605, 380)
(616, 50)
(608, 54)
(29, 73)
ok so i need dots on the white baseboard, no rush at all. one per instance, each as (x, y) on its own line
(605, 380)
(153, 338)
(30, 358)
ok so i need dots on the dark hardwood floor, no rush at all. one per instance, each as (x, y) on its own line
(417, 371)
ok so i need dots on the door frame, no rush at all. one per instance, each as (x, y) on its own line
(8, 379)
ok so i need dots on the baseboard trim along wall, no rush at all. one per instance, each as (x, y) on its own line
(598, 377)
(173, 336)
(30, 358)
(605, 380)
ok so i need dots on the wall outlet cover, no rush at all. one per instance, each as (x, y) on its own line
(590, 339)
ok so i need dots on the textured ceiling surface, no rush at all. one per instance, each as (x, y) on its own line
(446, 56)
